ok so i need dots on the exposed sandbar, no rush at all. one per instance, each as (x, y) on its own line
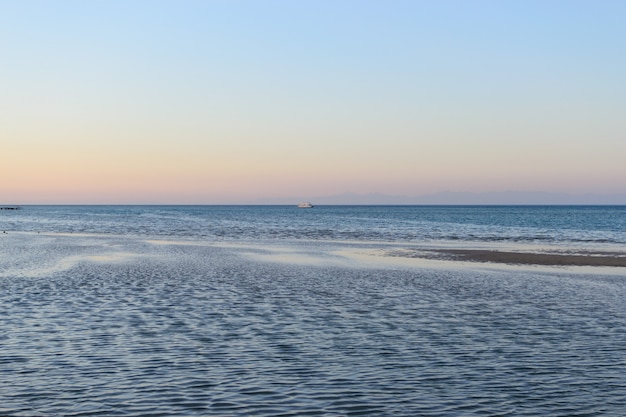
(527, 258)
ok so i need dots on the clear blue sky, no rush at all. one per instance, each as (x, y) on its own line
(229, 101)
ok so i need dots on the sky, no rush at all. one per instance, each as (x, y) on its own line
(232, 101)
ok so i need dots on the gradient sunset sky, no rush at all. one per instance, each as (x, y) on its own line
(227, 101)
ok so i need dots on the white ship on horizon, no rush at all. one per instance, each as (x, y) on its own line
(305, 204)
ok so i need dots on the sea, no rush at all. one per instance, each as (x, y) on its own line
(280, 311)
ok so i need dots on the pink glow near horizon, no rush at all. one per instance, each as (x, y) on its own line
(403, 99)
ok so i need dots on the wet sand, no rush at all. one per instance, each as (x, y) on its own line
(527, 258)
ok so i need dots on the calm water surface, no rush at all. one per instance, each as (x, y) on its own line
(531, 224)
(176, 318)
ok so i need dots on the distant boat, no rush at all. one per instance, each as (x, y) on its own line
(305, 204)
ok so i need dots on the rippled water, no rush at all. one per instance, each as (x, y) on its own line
(571, 225)
(114, 326)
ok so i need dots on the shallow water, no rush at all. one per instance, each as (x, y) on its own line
(125, 326)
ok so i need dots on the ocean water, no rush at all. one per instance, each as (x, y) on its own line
(260, 311)
(561, 225)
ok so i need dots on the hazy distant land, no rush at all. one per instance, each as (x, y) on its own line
(460, 198)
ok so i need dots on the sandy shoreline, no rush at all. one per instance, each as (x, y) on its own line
(527, 258)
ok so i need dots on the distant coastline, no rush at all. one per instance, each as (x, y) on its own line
(459, 198)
